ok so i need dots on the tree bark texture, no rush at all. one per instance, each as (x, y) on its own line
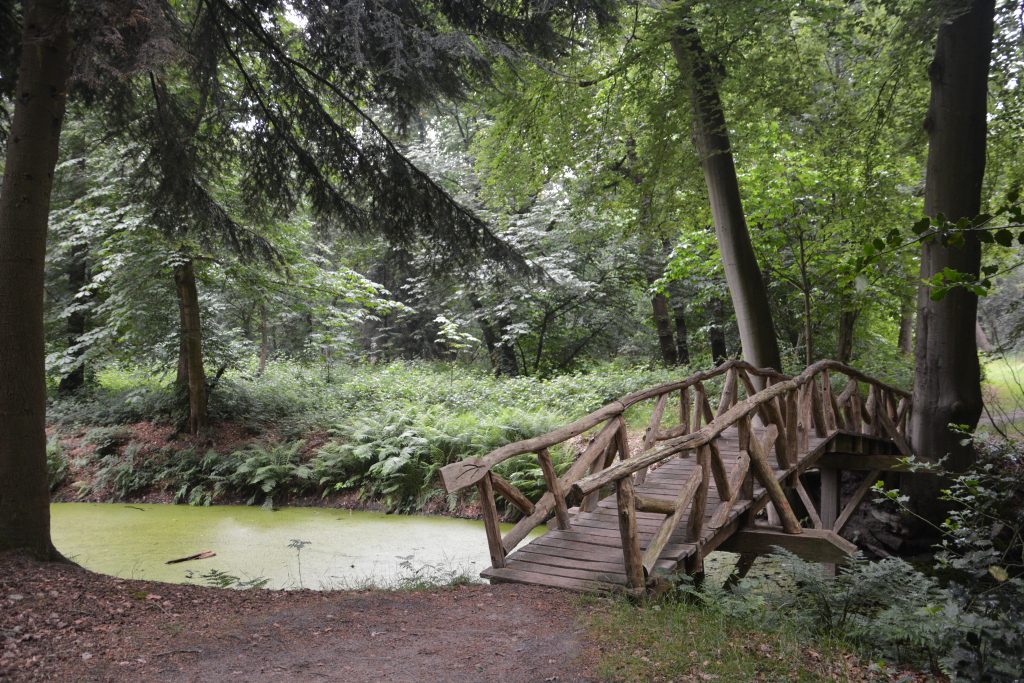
(711, 138)
(32, 148)
(192, 345)
(844, 341)
(947, 378)
(663, 325)
(78, 274)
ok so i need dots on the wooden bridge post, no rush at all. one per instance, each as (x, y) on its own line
(651, 433)
(634, 563)
(548, 468)
(491, 521)
(817, 409)
(830, 494)
(762, 469)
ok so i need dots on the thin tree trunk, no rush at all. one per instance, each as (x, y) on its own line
(678, 302)
(32, 147)
(716, 332)
(78, 272)
(905, 341)
(805, 290)
(264, 341)
(662, 323)
(979, 334)
(192, 338)
(947, 378)
(711, 138)
(502, 356)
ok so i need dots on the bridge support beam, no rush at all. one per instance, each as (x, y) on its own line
(814, 545)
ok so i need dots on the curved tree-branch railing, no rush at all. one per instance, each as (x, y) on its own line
(789, 410)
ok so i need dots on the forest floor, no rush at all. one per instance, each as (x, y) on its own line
(63, 623)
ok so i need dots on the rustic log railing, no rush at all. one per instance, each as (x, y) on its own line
(774, 421)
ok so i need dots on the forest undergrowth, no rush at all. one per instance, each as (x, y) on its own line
(376, 434)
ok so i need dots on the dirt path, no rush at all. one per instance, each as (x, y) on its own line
(64, 623)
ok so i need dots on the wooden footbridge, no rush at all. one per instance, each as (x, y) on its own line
(698, 485)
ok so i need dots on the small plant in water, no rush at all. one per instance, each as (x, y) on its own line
(219, 579)
(297, 545)
(417, 576)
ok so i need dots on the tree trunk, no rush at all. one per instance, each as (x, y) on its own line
(844, 341)
(181, 378)
(678, 302)
(805, 291)
(78, 272)
(663, 324)
(503, 357)
(192, 344)
(905, 341)
(716, 332)
(32, 147)
(979, 334)
(711, 138)
(264, 341)
(947, 378)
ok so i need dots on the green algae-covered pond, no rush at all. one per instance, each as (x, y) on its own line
(345, 549)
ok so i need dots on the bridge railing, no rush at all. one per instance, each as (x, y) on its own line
(777, 416)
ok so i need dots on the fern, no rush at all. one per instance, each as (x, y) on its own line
(887, 606)
(272, 471)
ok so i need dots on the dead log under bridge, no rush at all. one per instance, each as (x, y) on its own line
(622, 519)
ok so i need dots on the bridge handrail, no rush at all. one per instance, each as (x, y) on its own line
(788, 407)
(465, 473)
(727, 419)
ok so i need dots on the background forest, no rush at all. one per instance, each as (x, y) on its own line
(301, 250)
(165, 259)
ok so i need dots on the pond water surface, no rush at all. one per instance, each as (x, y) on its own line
(342, 549)
(345, 549)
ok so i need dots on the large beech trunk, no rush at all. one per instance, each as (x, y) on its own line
(32, 148)
(711, 137)
(191, 346)
(947, 377)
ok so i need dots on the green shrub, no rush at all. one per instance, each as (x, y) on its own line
(108, 407)
(887, 607)
(981, 558)
(270, 470)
